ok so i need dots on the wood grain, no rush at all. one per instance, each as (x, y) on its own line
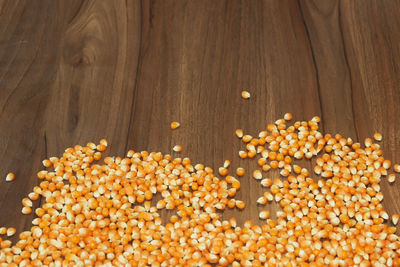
(123, 70)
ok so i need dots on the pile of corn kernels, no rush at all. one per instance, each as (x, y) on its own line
(101, 214)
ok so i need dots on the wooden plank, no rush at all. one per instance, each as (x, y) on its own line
(27, 59)
(371, 35)
(68, 79)
(96, 72)
(324, 31)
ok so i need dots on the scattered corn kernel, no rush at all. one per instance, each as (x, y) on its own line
(177, 148)
(240, 204)
(46, 163)
(287, 116)
(227, 163)
(247, 138)
(396, 168)
(257, 175)
(10, 177)
(242, 154)
(245, 95)
(175, 124)
(391, 178)
(239, 133)
(262, 200)
(264, 214)
(266, 182)
(240, 171)
(223, 171)
(11, 231)
(33, 196)
(27, 202)
(395, 218)
(26, 210)
(387, 164)
(378, 136)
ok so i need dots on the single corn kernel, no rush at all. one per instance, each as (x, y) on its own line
(386, 164)
(27, 202)
(384, 215)
(3, 230)
(396, 168)
(227, 163)
(368, 142)
(245, 95)
(316, 119)
(100, 148)
(33, 196)
(266, 167)
(239, 133)
(268, 196)
(378, 136)
(257, 175)
(262, 200)
(175, 125)
(264, 214)
(223, 171)
(177, 148)
(395, 218)
(267, 182)
(11, 231)
(247, 138)
(240, 171)
(288, 117)
(10, 177)
(46, 163)
(26, 210)
(242, 154)
(391, 178)
(240, 204)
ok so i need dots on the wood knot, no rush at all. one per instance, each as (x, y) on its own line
(81, 54)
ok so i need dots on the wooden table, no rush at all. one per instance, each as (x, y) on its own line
(78, 71)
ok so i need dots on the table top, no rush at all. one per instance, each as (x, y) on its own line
(124, 70)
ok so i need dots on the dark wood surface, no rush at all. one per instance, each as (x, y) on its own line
(78, 71)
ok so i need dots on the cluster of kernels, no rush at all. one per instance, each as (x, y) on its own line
(101, 214)
(339, 218)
